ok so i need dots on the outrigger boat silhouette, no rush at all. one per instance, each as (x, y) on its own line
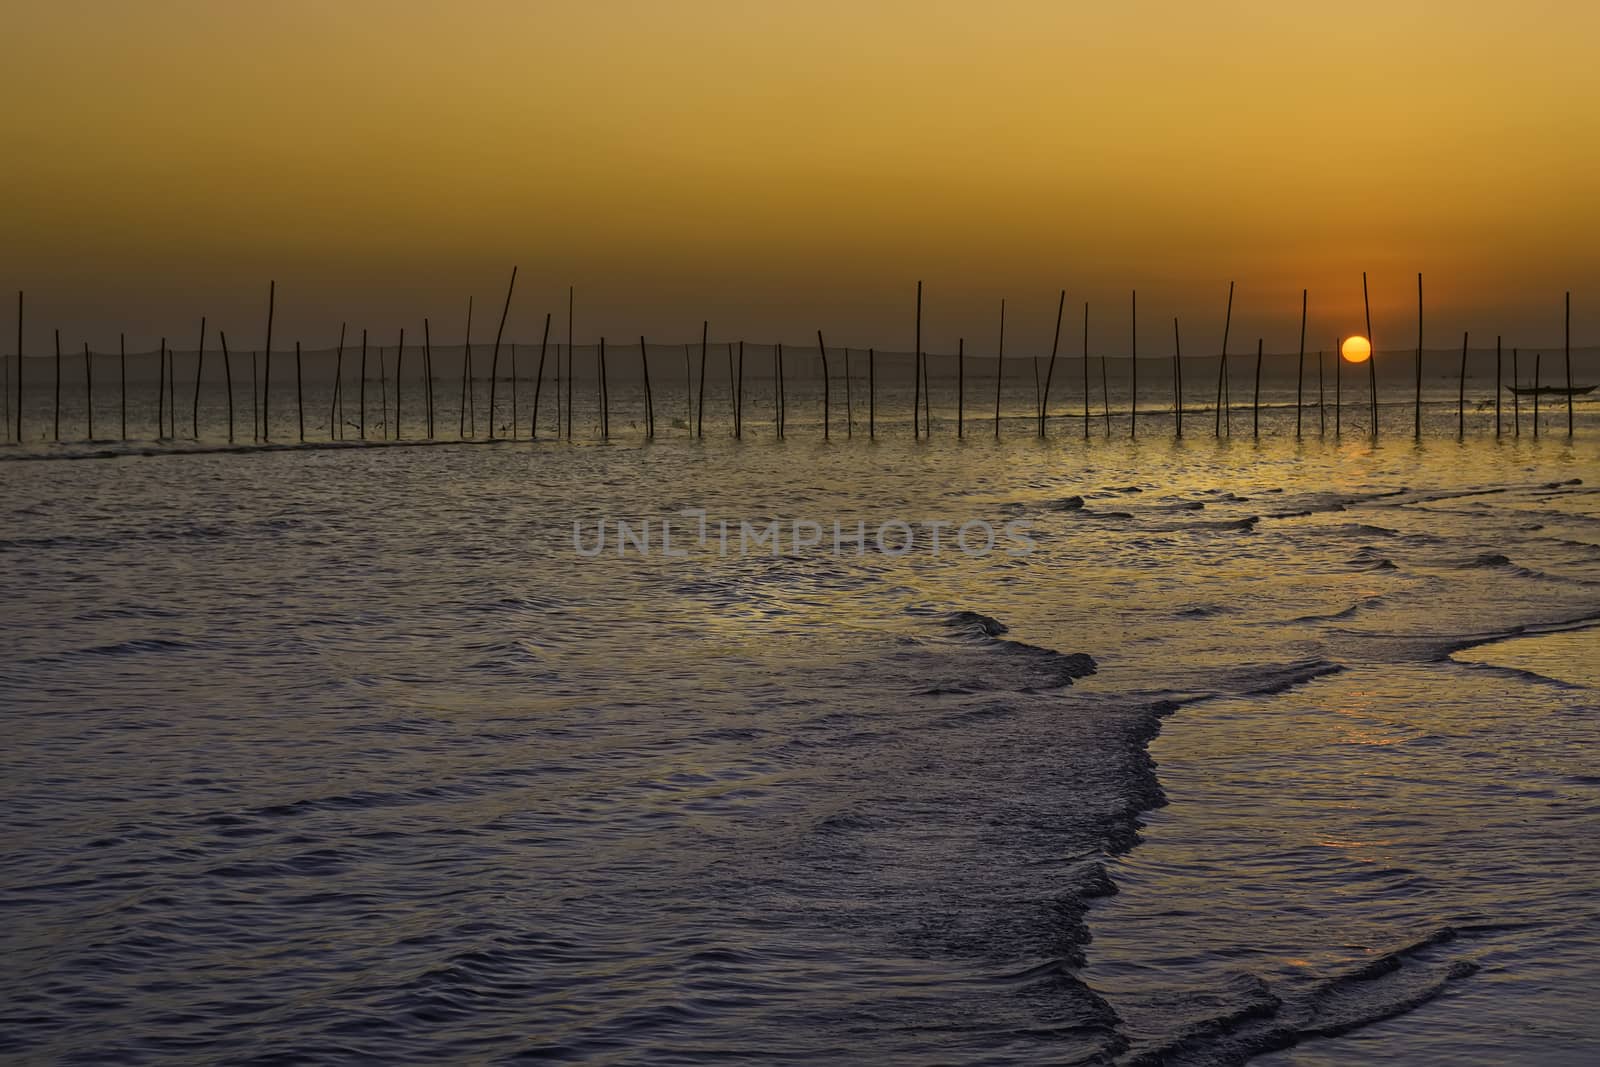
(1550, 390)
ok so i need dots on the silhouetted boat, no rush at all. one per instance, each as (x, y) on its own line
(1550, 390)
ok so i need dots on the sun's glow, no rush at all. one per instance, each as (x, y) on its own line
(1356, 349)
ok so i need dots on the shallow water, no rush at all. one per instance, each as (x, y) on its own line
(349, 753)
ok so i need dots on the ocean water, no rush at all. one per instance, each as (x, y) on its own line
(1268, 749)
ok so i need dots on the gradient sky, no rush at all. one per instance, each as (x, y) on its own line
(780, 167)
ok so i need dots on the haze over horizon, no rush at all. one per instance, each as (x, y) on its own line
(777, 170)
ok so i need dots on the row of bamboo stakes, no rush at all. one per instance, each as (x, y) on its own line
(921, 423)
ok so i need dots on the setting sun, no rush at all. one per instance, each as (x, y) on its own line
(1356, 349)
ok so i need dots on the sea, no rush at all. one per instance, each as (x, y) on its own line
(1100, 746)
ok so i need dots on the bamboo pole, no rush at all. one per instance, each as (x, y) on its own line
(399, 385)
(1133, 363)
(466, 381)
(700, 421)
(1497, 386)
(916, 369)
(961, 386)
(1105, 395)
(849, 407)
(494, 362)
(570, 296)
(58, 386)
(383, 389)
(1516, 397)
(1322, 411)
(733, 388)
(1044, 406)
(1300, 371)
(999, 368)
(266, 365)
(649, 401)
(1566, 346)
(227, 378)
(299, 393)
(1537, 357)
(1085, 370)
(605, 396)
(1372, 355)
(927, 402)
(19, 366)
(122, 350)
(172, 396)
(1461, 395)
(538, 381)
(1419, 359)
(1255, 405)
(161, 393)
(88, 387)
(783, 394)
(872, 394)
(823, 349)
(427, 373)
(336, 407)
(199, 369)
(361, 392)
(738, 398)
(1222, 369)
(1177, 378)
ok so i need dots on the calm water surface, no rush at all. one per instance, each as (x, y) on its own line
(347, 753)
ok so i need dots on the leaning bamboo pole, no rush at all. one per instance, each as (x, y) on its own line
(649, 401)
(700, 421)
(822, 349)
(399, 382)
(1044, 406)
(538, 381)
(199, 369)
(266, 365)
(335, 406)
(494, 362)
(227, 373)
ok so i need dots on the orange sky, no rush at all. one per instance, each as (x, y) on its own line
(779, 167)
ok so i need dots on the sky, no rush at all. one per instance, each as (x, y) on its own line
(780, 167)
